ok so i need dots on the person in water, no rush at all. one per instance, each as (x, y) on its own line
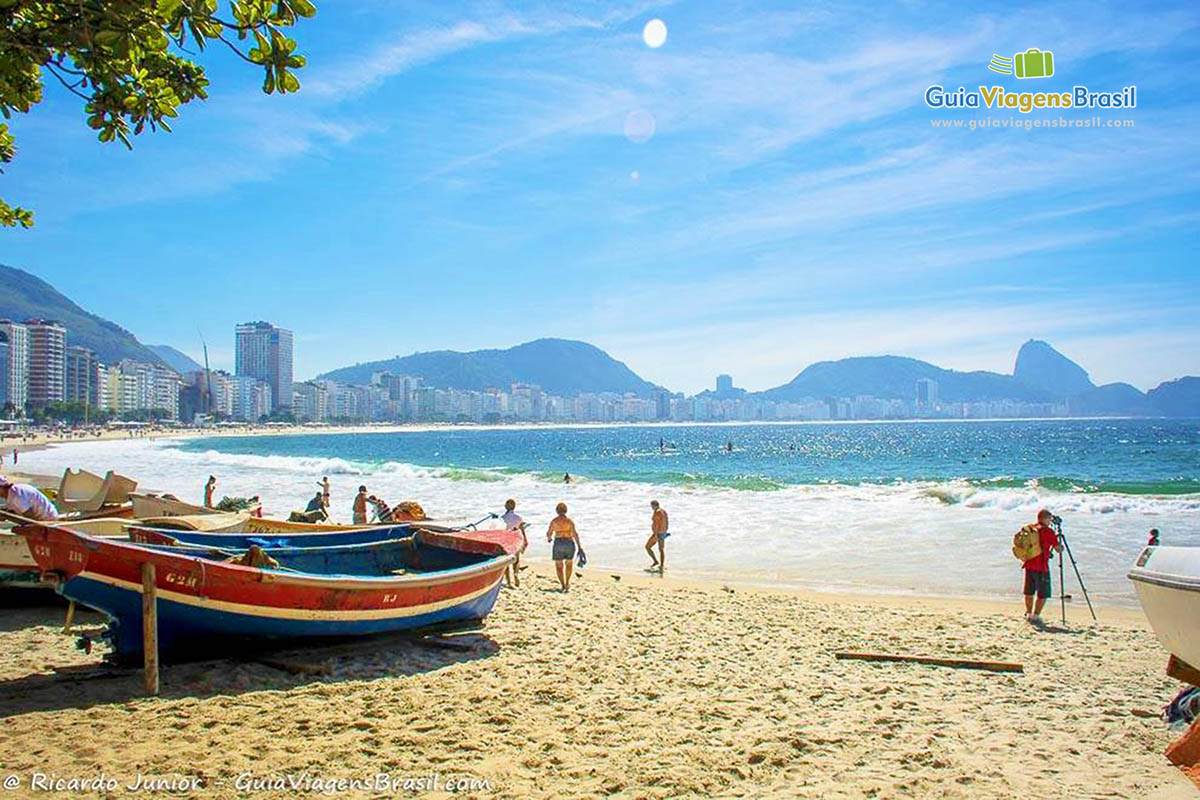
(1037, 569)
(658, 535)
(324, 484)
(565, 541)
(209, 489)
(566, 477)
(360, 506)
(513, 522)
(1153, 540)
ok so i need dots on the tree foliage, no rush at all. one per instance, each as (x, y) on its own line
(130, 61)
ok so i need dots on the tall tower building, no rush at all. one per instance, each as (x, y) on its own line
(724, 384)
(82, 376)
(927, 394)
(265, 352)
(16, 370)
(47, 365)
(3, 372)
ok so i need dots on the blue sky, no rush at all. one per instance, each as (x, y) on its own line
(459, 176)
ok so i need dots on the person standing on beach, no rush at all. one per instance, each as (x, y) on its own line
(565, 540)
(1152, 540)
(209, 489)
(324, 484)
(513, 522)
(360, 506)
(1037, 569)
(26, 500)
(658, 535)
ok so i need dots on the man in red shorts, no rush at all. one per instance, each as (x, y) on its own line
(1037, 569)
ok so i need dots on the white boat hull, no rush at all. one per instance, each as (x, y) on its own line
(1167, 580)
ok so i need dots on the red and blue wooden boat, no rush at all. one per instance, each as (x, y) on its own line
(144, 534)
(425, 579)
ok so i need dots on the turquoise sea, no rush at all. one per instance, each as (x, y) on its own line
(915, 507)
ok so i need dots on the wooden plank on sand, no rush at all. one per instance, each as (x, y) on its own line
(959, 663)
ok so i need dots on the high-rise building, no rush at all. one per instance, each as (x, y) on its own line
(265, 352)
(251, 398)
(3, 372)
(927, 394)
(16, 391)
(47, 352)
(81, 373)
(724, 384)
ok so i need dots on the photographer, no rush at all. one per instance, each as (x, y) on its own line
(1037, 569)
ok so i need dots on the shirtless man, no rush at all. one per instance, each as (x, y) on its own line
(360, 506)
(658, 534)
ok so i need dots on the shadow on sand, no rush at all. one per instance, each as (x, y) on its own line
(223, 668)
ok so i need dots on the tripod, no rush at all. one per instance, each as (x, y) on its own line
(1061, 585)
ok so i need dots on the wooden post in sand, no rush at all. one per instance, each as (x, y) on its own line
(70, 617)
(150, 627)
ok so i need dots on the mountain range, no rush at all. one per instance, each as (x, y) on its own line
(24, 296)
(566, 367)
(559, 366)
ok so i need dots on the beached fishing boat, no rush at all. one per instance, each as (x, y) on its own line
(146, 506)
(85, 492)
(18, 570)
(220, 522)
(231, 540)
(425, 579)
(1167, 580)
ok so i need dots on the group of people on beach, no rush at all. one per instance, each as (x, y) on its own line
(563, 537)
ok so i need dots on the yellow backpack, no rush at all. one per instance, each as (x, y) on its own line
(1027, 543)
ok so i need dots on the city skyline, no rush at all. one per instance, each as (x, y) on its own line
(789, 203)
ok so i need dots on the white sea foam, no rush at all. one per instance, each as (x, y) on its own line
(929, 538)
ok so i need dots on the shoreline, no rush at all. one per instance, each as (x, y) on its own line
(847, 585)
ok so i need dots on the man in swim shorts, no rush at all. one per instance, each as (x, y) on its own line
(658, 534)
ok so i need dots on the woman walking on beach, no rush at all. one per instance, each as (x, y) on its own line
(209, 488)
(565, 538)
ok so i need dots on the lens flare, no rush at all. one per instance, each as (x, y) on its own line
(654, 34)
(639, 126)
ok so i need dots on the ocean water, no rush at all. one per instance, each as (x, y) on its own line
(922, 507)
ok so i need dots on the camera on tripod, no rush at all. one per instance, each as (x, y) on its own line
(1057, 520)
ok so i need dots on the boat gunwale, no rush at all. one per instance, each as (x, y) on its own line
(1163, 579)
(282, 579)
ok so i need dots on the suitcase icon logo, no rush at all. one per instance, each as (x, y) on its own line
(1033, 63)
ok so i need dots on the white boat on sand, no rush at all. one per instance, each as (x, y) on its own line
(1167, 580)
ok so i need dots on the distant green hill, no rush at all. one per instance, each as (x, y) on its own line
(24, 296)
(1177, 398)
(559, 366)
(896, 377)
(1041, 366)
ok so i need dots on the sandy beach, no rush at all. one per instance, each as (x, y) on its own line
(639, 687)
